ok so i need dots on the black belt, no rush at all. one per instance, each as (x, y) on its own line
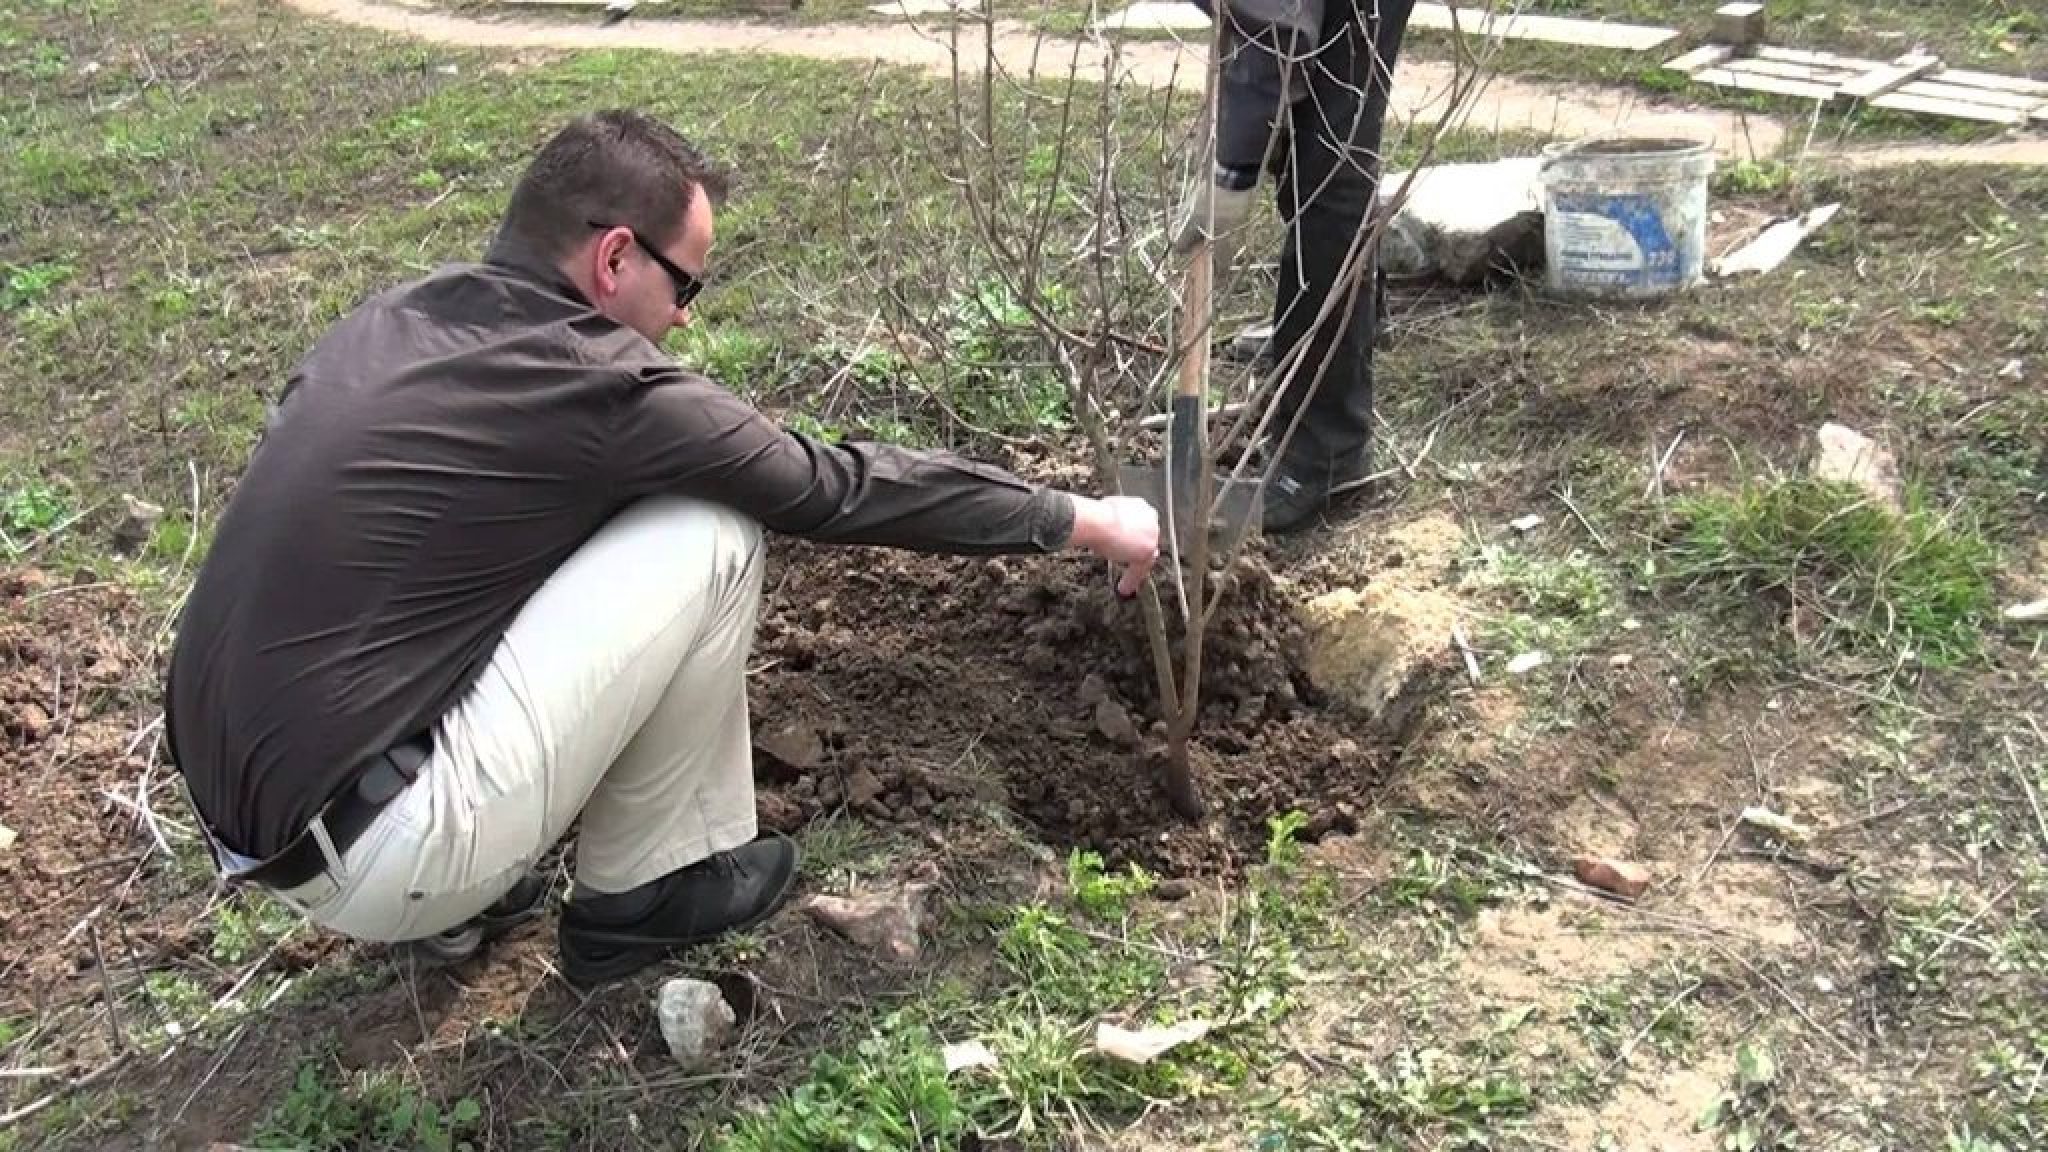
(380, 780)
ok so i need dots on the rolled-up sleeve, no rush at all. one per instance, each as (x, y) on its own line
(677, 432)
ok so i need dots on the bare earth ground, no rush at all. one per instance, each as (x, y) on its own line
(1421, 90)
(1427, 974)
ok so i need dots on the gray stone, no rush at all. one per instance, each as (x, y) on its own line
(137, 525)
(1461, 220)
(1093, 689)
(1113, 720)
(695, 1020)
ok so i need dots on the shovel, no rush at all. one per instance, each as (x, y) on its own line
(1175, 487)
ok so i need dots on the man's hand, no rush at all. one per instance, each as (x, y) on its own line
(1122, 530)
(1214, 209)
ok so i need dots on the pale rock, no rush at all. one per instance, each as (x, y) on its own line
(890, 923)
(695, 1020)
(2013, 370)
(1740, 24)
(1622, 877)
(1527, 523)
(1461, 220)
(7, 837)
(1527, 662)
(2037, 610)
(1620, 660)
(32, 721)
(968, 1054)
(1378, 649)
(1847, 456)
(1778, 825)
(1144, 1045)
(863, 788)
(795, 745)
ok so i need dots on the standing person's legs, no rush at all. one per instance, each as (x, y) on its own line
(618, 693)
(1326, 186)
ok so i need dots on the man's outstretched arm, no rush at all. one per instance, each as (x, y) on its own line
(682, 433)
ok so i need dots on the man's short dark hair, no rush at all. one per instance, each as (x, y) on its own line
(616, 167)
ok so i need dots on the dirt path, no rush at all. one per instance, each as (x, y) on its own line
(1421, 86)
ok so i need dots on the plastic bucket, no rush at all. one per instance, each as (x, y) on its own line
(1625, 217)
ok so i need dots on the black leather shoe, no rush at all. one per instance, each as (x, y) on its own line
(730, 892)
(526, 900)
(1300, 492)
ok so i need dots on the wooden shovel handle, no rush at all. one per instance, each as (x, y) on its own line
(1194, 323)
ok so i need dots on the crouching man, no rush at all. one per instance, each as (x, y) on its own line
(495, 566)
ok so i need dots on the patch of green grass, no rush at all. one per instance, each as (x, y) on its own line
(1749, 1113)
(249, 924)
(31, 507)
(1842, 571)
(1630, 1009)
(1443, 875)
(839, 851)
(1754, 177)
(890, 1093)
(1062, 967)
(738, 357)
(1416, 1097)
(25, 286)
(374, 1110)
(179, 1002)
(1556, 604)
(1918, 939)
(1104, 895)
(1996, 461)
(2009, 1110)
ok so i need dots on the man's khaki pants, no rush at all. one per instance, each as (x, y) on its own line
(619, 693)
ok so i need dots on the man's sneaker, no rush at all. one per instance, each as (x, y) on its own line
(1299, 492)
(730, 892)
(526, 900)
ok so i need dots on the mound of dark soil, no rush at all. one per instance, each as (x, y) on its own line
(894, 684)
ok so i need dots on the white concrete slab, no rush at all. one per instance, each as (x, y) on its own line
(1555, 29)
(1155, 15)
(905, 9)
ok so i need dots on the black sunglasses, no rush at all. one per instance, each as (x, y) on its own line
(687, 286)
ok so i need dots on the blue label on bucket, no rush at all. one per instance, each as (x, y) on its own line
(1616, 240)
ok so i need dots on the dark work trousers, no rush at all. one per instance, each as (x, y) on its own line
(1327, 168)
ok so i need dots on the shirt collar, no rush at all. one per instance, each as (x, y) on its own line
(514, 254)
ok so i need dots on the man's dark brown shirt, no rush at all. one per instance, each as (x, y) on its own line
(440, 452)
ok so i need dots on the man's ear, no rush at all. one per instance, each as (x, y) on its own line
(607, 257)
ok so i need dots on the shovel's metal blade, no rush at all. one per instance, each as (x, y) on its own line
(1238, 515)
